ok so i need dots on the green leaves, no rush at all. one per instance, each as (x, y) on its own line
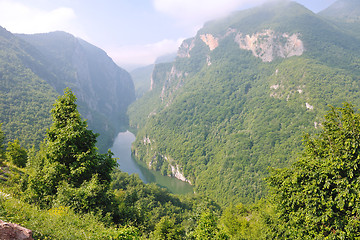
(72, 171)
(318, 196)
(16, 154)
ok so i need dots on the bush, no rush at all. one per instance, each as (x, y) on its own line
(16, 154)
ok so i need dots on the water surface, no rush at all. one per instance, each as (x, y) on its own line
(122, 150)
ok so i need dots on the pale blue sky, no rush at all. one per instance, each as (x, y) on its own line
(130, 31)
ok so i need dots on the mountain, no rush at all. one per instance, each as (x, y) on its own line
(142, 76)
(345, 10)
(241, 94)
(345, 14)
(58, 60)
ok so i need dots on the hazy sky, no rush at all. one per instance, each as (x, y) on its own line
(130, 31)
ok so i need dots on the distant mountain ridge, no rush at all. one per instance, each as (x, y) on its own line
(346, 10)
(240, 95)
(103, 89)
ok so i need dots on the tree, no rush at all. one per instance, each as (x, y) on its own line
(16, 154)
(207, 227)
(70, 159)
(318, 196)
(167, 229)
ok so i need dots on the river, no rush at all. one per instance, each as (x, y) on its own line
(122, 150)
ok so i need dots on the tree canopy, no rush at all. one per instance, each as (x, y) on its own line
(318, 197)
(70, 165)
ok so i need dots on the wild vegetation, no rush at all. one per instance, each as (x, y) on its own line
(224, 116)
(68, 185)
(36, 68)
(269, 158)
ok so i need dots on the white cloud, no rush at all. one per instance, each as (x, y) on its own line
(199, 11)
(19, 18)
(143, 54)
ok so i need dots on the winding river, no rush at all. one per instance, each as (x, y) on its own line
(122, 150)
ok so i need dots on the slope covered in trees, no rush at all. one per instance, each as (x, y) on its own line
(68, 184)
(240, 95)
(72, 181)
(36, 68)
(25, 98)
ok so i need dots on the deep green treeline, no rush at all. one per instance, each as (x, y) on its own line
(317, 197)
(69, 180)
(223, 116)
(68, 176)
(230, 119)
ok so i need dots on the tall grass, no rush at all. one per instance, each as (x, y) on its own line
(59, 223)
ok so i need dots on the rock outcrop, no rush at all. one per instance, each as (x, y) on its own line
(268, 44)
(210, 40)
(185, 48)
(12, 231)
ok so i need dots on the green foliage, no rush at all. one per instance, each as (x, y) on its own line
(60, 222)
(207, 228)
(247, 221)
(223, 124)
(167, 229)
(106, 90)
(2, 147)
(69, 169)
(16, 154)
(159, 214)
(317, 197)
(90, 196)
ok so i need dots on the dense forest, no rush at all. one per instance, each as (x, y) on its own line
(36, 68)
(225, 110)
(68, 185)
(258, 111)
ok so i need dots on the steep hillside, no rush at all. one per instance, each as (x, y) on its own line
(346, 10)
(345, 14)
(25, 98)
(142, 76)
(60, 60)
(103, 89)
(240, 95)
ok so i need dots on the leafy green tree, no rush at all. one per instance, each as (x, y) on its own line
(318, 197)
(16, 154)
(72, 146)
(207, 227)
(167, 229)
(70, 161)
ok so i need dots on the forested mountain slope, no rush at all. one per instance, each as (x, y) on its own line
(142, 75)
(345, 14)
(25, 98)
(240, 95)
(60, 60)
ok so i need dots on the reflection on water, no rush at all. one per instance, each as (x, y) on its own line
(122, 150)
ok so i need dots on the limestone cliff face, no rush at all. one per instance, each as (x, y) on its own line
(266, 44)
(185, 48)
(210, 40)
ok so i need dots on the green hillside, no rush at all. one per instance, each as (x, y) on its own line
(344, 14)
(25, 98)
(240, 96)
(104, 90)
(36, 68)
